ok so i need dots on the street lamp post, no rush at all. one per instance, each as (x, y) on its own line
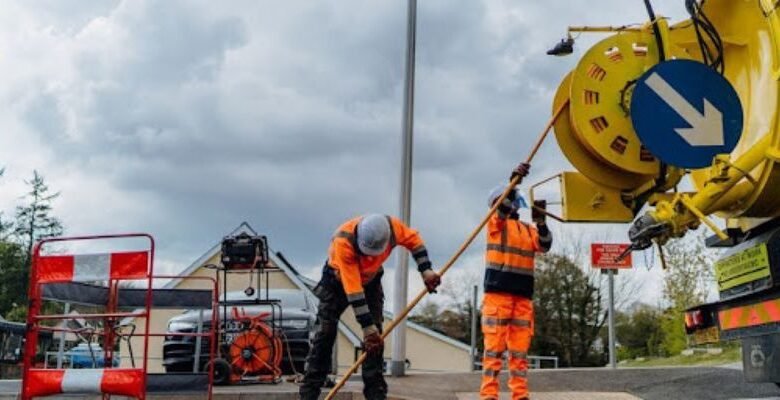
(397, 366)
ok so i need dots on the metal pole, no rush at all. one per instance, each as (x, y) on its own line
(472, 364)
(198, 342)
(612, 354)
(402, 271)
(61, 348)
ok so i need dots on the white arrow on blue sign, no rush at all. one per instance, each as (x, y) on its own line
(686, 113)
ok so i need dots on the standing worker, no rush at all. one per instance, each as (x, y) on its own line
(507, 309)
(353, 276)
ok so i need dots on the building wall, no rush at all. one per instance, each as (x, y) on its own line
(345, 352)
(424, 351)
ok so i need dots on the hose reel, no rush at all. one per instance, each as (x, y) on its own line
(255, 353)
(597, 136)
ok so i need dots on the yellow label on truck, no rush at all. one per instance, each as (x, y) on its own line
(706, 336)
(746, 266)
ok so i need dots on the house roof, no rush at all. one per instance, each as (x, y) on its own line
(289, 271)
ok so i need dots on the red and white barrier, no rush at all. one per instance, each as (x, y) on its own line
(92, 267)
(119, 381)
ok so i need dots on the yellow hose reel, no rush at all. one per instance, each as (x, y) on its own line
(595, 132)
(597, 137)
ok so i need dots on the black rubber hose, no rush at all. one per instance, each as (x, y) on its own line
(661, 180)
(656, 31)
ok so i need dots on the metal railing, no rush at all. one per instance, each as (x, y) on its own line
(535, 362)
(51, 357)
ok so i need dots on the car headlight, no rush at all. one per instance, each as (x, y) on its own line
(295, 323)
(181, 326)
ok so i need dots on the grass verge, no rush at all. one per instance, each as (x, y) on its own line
(730, 355)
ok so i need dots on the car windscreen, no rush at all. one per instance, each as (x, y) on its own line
(289, 298)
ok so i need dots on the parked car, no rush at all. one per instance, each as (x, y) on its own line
(85, 355)
(297, 322)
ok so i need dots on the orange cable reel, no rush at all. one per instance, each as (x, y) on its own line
(255, 353)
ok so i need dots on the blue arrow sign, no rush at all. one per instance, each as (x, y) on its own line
(685, 113)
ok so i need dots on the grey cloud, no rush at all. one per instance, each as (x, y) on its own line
(287, 114)
(166, 43)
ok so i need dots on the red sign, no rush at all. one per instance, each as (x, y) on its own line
(604, 255)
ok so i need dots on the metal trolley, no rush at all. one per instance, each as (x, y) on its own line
(250, 346)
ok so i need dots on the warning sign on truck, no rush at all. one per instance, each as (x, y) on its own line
(746, 266)
(605, 256)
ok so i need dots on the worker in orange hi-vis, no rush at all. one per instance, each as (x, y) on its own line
(507, 309)
(352, 276)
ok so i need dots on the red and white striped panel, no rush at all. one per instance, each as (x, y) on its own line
(92, 267)
(120, 382)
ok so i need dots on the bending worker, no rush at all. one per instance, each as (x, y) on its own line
(352, 276)
(507, 309)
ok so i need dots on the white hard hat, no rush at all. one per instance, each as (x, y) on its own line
(499, 190)
(373, 234)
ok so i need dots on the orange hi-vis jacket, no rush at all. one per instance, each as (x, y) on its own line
(354, 269)
(511, 247)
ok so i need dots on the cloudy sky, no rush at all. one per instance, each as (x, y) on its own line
(184, 118)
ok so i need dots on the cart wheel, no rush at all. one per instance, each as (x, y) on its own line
(221, 372)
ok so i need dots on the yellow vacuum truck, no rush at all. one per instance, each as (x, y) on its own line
(654, 103)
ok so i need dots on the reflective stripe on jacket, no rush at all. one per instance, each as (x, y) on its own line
(509, 260)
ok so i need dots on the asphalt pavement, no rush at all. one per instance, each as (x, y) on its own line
(705, 383)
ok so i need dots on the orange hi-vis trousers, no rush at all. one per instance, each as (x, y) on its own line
(507, 324)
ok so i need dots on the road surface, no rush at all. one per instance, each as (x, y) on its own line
(705, 383)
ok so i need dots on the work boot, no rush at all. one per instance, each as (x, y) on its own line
(309, 394)
(375, 391)
(375, 396)
(312, 384)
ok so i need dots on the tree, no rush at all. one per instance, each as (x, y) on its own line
(427, 314)
(640, 333)
(450, 314)
(13, 285)
(34, 220)
(5, 226)
(688, 277)
(687, 282)
(459, 291)
(569, 311)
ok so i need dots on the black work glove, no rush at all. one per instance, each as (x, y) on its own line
(538, 212)
(521, 171)
(432, 280)
(373, 343)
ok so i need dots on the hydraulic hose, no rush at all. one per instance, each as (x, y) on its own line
(656, 31)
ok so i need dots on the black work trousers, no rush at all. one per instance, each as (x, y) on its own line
(333, 302)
